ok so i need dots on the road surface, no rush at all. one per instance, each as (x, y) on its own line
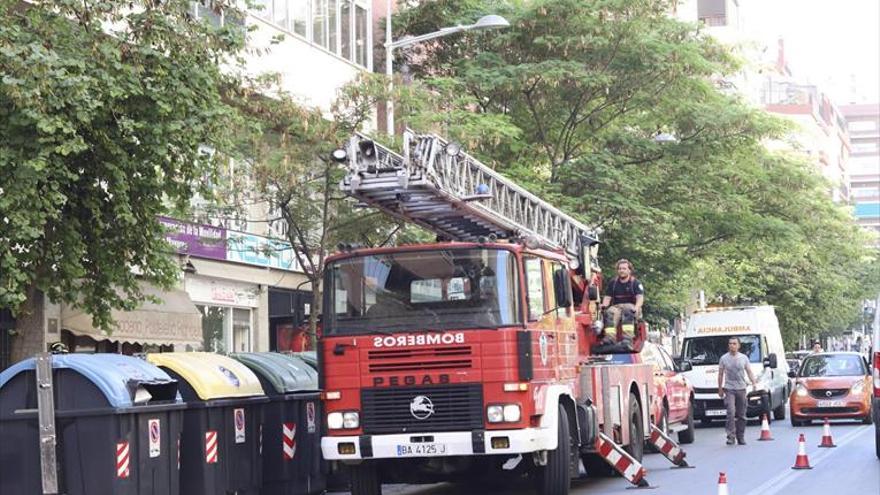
(759, 468)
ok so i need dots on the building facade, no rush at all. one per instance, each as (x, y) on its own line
(863, 122)
(239, 287)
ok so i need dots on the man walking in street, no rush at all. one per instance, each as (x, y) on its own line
(733, 367)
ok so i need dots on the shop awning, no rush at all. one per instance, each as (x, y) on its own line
(175, 321)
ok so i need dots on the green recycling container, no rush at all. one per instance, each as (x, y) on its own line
(292, 463)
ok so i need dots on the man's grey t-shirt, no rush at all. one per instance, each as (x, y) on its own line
(734, 367)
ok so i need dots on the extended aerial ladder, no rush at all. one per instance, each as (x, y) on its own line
(440, 187)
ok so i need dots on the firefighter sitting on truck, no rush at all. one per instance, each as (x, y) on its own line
(623, 300)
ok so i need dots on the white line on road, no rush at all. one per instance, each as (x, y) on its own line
(777, 483)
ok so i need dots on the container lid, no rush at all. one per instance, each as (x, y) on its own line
(310, 357)
(284, 372)
(124, 380)
(211, 376)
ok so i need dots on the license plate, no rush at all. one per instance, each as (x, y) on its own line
(829, 403)
(419, 449)
(716, 413)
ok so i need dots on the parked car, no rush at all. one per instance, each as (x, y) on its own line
(672, 407)
(832, 385)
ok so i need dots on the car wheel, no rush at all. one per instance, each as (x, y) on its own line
(687, 436)
(796, 423)
(779, 412)
(868, 419)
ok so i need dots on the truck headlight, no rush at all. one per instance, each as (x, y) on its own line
(503, 413)
(346, 419)
(334, 420)
(351, 420)
(512, 413)
(801, 390)
(857, 388)
(495, 414)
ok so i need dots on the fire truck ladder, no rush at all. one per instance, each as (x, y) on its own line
(443, 189)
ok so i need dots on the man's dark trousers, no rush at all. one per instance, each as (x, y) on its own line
(735, 401)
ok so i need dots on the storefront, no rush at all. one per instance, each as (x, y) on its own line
(227, 309)
(172, 323)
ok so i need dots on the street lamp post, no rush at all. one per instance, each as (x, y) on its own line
(484, 23)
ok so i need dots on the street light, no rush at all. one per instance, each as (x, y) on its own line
(486, 22)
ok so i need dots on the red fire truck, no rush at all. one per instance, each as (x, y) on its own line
(476, 354)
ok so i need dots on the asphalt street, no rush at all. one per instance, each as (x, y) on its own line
(758, 468)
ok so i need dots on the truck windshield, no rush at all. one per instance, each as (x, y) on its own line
(708, 350)
(422, 290)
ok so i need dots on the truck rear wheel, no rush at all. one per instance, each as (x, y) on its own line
(365, 479)
(636, 447)
(553, 479)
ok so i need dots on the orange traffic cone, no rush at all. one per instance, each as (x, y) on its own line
(765, 430)
(802, 462)
(722, 484)
(827, 441)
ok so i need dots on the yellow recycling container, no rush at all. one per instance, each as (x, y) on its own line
(222, 425)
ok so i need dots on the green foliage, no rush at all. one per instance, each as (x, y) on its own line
(585, 85)
(103, 111)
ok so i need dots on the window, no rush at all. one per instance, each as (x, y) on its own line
(535, 288)
(361, 30)
(865, 192)
(340, 26)
(862, 125)
(345, 22)
(280, 13)
(424, 290)
(865, 147)
(332, 27)
(319, 16)
(299, 13)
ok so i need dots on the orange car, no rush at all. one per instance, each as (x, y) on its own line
(831, 385)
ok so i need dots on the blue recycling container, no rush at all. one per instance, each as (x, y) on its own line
(117, 423)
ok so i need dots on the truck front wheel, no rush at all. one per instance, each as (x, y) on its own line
(365, 479)
(553, 478)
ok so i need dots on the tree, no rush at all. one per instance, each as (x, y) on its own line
(588, 84)
(102, 130)
(289, 151)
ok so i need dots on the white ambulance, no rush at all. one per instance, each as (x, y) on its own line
(705, 341)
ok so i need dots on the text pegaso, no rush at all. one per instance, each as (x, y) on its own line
(407, 340)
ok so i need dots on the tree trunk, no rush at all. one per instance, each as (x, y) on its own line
(317, 305)
(29, 337)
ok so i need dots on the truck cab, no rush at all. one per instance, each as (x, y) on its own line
(441, 361)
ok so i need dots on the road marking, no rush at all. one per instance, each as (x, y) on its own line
(774, 485)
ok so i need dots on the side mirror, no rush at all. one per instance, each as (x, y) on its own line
(683, 365)
(562, 288)
(771, 361)
(792, 374)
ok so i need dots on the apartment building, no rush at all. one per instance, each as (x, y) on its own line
(863, 122)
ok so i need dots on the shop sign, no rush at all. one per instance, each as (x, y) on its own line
(202, 241)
